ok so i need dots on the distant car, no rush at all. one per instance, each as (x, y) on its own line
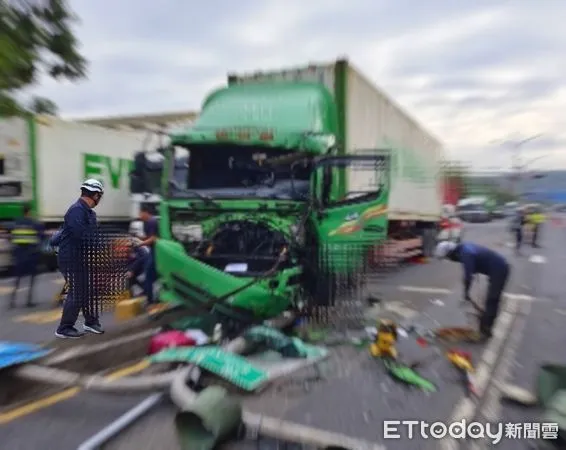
(451, 227)
(474, 214)
(498, 213)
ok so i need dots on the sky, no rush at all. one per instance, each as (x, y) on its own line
(479, 75)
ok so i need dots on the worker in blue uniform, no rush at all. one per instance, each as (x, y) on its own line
(27, 236)
(477, 259)
(151, 231)
(78, 245)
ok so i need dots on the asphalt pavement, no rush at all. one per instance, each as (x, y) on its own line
(356, 395)
(537, 338)
(35, 325)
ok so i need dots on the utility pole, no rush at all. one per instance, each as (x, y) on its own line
(516, 166)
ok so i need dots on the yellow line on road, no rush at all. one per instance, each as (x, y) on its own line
(40, 317)
(45, 402)
(5, 290)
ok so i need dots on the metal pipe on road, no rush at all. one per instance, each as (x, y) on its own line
(124, 421)
(126, 385)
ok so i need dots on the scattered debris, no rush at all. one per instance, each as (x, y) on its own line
(407, 375)
(463, 362)
(384, 344)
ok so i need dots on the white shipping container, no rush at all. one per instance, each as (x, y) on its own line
(52, 157)
(374, 121)
(15, 156)
(324, 74)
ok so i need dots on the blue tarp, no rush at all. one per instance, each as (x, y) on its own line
(13, 353)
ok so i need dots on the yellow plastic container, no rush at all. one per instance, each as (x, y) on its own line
(129, 309)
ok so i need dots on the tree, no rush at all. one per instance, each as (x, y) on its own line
(502, 196)
(35, 38)
(40, 105)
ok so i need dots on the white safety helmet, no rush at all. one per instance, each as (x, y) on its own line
(444, 248)
(93, 185)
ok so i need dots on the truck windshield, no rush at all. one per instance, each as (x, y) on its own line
(239, 171)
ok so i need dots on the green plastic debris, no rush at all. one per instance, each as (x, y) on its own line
(272, 339)
(205, 323)
(309, 351)
(314, 335)
(405, 374)
(551, 393)
(233, 368)
(551, 378)
(210, 420)
(289, 347)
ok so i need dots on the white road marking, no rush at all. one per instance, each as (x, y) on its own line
(523, 297)
(400, 309)
(394, 307)
(424, 289)
(466, 408)
(491, 408)
(433, 290)
(537, 259)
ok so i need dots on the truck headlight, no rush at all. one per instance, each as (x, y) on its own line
(187, 232)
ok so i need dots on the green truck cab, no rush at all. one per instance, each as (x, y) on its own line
(265, 212)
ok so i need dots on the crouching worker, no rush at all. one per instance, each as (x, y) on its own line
(477, 259)
(137, 262)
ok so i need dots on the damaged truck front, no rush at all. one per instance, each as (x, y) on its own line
(264, 208)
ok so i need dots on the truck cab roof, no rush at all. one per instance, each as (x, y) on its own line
(290, 115)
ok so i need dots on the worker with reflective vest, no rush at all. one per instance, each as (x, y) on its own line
(27, 236)
(536, 219)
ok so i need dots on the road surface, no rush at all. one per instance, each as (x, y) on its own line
(356, 396)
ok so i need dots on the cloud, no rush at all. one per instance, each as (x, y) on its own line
(471, 72)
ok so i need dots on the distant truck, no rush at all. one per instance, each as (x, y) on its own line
(452, 188)
(43, 161)
(273, 181)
